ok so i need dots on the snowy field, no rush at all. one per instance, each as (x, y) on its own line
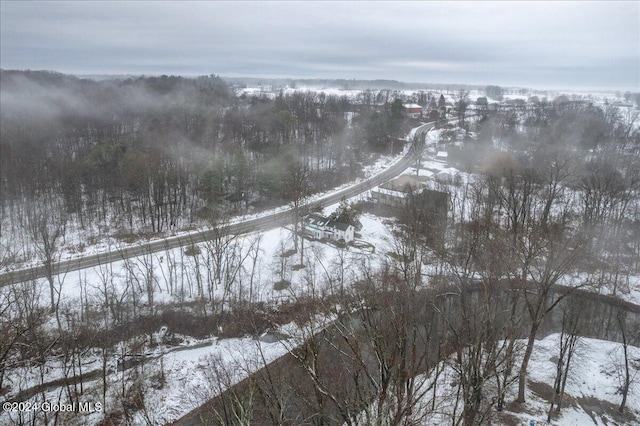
(186, 382)
(186, 372)
(174, 273)
(449, 95)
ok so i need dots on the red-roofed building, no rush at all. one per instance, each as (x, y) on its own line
(413, 110)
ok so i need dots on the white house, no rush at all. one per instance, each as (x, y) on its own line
(320, 227)
(341, 231)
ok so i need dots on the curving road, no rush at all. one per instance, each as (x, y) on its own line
(263, 223)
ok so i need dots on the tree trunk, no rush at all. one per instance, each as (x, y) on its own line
(522, 378)
(51, 290)
(627, 379)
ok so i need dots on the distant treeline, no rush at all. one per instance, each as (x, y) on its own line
(348, 84)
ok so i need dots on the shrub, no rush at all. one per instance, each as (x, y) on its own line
(192, 250)
(281, 285)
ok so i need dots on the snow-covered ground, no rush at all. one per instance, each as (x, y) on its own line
(174, 273)
(322, 260)
(187, 373)
(595, 375)
(76, 244)
(450, 96)
(193, 376)
(174, 383)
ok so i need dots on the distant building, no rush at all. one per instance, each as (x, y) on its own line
(395, 192)
(413, 110)
(320, 227)
(416, 202)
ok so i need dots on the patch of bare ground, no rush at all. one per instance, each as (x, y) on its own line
(542, 390)
(606, 411)
(301, 310)
(130, 237)
(506, 419)
(599, 410)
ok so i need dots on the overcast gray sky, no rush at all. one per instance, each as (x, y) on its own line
(531, 44)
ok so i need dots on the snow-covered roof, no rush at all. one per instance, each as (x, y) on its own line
(322, 223)
(401, 183)
(391, 192)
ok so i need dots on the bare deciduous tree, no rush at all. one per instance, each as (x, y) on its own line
(572, 325)
(297, 188)
(630, 366)
(47, 230)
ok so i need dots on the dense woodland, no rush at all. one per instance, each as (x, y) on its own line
(551, 197)
(151, 154)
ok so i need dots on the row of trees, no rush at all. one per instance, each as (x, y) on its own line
(148, 155)
(449, 356)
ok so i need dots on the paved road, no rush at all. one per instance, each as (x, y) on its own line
(250, 225)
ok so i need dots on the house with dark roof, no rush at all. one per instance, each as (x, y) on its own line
(320, 227)
(341, 231)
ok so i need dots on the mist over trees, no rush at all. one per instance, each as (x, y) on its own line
(152, 154)
(551, 197)
(494, 92)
